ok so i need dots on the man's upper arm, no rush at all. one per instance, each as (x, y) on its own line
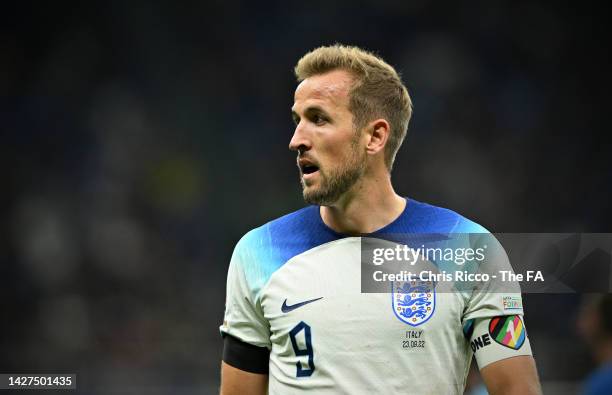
(493, 323)
(238, 382)
(515, 375)
(245, 330)
(503, 352)
(244, 317)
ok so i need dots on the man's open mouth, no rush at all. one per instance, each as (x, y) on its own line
(309, 169)
(307, 166)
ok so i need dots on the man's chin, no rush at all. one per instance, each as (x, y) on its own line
(310, 194)
(315, 196)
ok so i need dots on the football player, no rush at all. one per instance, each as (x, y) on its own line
(296, 319)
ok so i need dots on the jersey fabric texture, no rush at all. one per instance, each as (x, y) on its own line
(600, 382)
(294, 287)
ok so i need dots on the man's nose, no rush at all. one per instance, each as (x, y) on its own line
(300, 141)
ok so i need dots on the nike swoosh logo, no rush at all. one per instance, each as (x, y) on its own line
(285, 308)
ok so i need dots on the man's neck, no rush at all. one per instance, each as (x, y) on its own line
(370, 205)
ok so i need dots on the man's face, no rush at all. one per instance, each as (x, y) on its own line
(330, 157)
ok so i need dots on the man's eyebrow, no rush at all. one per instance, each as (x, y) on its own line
(310, 110)
(315, 108)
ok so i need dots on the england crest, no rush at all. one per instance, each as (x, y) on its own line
(413, 302)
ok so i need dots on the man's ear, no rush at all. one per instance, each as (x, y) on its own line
(378, 133)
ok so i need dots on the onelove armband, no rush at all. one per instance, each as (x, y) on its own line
(496, 338)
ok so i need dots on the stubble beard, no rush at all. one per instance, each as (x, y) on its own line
(338, 181)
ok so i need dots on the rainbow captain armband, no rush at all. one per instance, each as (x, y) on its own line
(495, 338)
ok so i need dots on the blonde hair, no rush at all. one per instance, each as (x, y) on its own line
(377, 91)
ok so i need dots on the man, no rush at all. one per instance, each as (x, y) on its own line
(296, 320)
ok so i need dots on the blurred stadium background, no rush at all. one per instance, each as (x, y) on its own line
(140, 140)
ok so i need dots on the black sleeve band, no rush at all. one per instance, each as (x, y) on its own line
(245, 356)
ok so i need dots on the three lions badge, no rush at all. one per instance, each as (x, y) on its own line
(414, 302)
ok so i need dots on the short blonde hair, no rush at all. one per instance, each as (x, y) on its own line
(377, 92)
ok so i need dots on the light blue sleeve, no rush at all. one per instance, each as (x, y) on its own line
(244, 317)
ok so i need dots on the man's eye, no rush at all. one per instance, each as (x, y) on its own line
(318, 119)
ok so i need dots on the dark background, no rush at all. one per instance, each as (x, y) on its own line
(140, 141)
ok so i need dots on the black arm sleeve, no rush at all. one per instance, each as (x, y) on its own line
(245, 356)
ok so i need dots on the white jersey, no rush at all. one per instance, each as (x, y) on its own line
(294, 286)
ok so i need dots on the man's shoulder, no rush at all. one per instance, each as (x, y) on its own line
(265, 249)
(428, 218)
(284, 237)
(285, 225)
